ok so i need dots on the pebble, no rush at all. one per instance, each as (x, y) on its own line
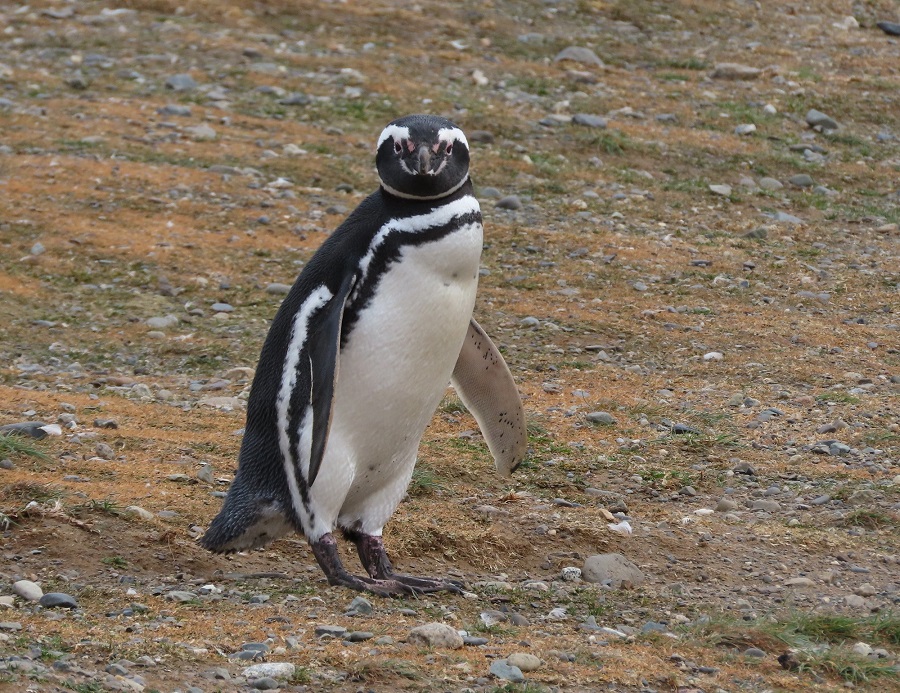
(275, 670)
(817, 119)
(723, 189)
(138, 511)
(770, 184)
(726, 505)
(501, 670)
(611, 569)
(104, 451)
(524, 661)
(266, 683)
(28, 590)
(713, 356)
(279, 289)
(802, 180)
(438, 635)
(181, 82)
(601, 417)
(799, 582)
(53, 600)
(745, 129)
(509, 202)
(735, 71)
(754, 652)
(591, 121)
(578, 54)
(201, 133)
(180, 596)
(360, 605)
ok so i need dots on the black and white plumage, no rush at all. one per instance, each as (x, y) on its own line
(359, 356)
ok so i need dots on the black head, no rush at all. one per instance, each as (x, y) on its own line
(422, 157)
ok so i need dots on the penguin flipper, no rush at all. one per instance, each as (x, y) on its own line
(484, 384)
(323, 347)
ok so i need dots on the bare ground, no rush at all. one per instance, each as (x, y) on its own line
(632, 269)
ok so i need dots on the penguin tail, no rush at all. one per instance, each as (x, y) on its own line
(245, 522)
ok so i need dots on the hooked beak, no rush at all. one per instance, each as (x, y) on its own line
(423, 160)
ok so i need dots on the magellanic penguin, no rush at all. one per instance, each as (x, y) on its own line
(359, 356)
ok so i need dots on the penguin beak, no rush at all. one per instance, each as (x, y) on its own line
(423, 159)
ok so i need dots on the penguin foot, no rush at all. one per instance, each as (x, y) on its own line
(377, 564)
(383, 581)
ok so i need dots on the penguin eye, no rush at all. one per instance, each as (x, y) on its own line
(449, 149)
(397, 147)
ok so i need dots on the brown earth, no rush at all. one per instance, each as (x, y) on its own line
(633, 269)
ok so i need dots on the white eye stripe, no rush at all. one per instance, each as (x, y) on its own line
(393, 131)
(452, 135)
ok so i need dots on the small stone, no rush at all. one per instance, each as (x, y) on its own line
(726, 505)
(278, 289)
(435, 635)
(10, 625)
(275, 670)
(105, 423)
(331, 631)
(509, 202)
(724, 190)
(862, 649)
(181, 596)
(266, 683)
(55, 600)
(612, 569)
(360, 605)
(768, 506)
(578, 54)
(745, 129)
(770, 184)
(817, 119)
(181, 82)
(855, 601)
(744, 468)
(138, 511)
(104, 451)
(175, 109)
(201, 133)
(754, 652)
(591, 121)
(865, 590)
(802, 180)
(501, 670)
(28, 590)
(524, 661)
(360, 636)
(601, 417)
(735, 71)
(713, 356)
(799, 582)
(570, 574)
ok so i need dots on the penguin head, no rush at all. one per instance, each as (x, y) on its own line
(422, 157)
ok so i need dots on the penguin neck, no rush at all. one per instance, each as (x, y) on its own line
(450, 194)
(410, 206)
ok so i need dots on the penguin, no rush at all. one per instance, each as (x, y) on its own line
(357, 359)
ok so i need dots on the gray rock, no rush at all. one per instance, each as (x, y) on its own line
(754, 652)
(275, 670)
(181, 82)
(174, 109)
(601, 417)
(802, 180)
(181, 596)
(10, 625)
(735, 71)
(331, 631)
(138, 511)
(360, 636)
(200, 133)
(817, 119)
(266, 683)
(58, 600)
(435, 635)
(745, 129)
(295, 99)
(578, 54)
(768, 506)
(7, 464)
(507, 672)
(724, 189)
(509, 202)
(890, 28)
(612, 569)
(222, 307)
(360, 605)
(28, 590)
(588, 120)
(276, 288)
(104, 451)
(524, 661)
(160, 323)
(770, 184)
(786, 218)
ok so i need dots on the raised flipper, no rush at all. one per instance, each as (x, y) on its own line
(484, 384)
(323, 346)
